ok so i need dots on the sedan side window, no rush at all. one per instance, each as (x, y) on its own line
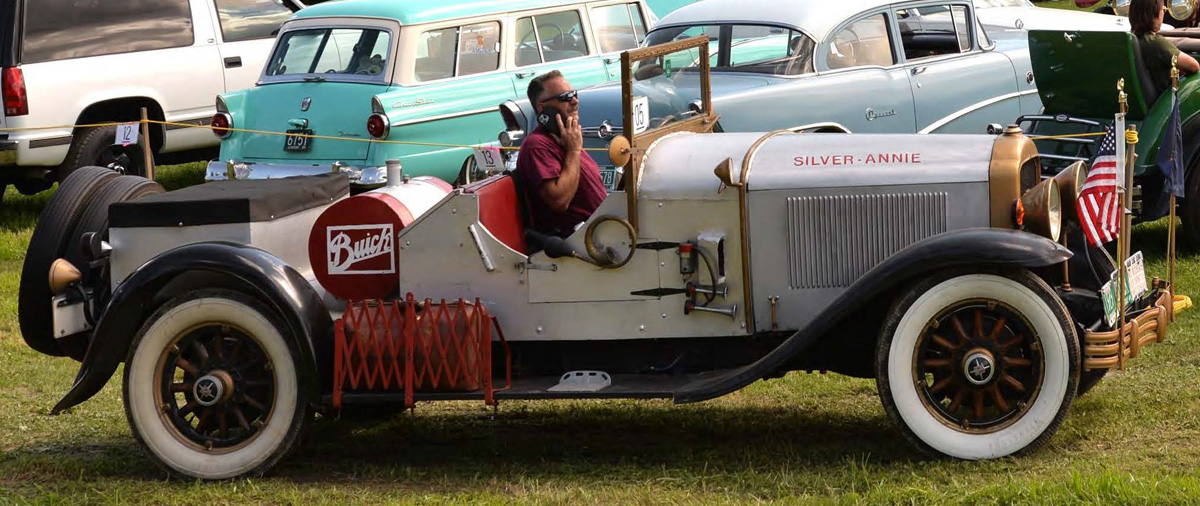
(550, 37)
(618, 27)
(866, 42)
(458, 51)
(250, 19)
(934, 31)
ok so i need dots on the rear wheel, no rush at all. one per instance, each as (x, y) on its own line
(211, 386)
(49, 242)
(978, 365)
(94, 146)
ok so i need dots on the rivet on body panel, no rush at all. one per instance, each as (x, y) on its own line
(539, 329)
(641, 328)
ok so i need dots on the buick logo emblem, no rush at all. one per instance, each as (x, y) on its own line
(979, 368)
(305, 103)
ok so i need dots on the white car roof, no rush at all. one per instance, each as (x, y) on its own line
(813, 17)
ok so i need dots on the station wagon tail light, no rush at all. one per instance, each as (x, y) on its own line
(221, 123)
(16, 102)
(378, 126)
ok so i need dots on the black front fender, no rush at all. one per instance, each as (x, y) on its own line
(258, 273)
(968, 247)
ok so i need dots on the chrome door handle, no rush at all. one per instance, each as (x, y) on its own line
(523, 75)
(918, 70)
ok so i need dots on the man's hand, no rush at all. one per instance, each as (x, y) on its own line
(570, 135)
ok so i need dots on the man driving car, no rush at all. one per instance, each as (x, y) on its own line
(562, 183)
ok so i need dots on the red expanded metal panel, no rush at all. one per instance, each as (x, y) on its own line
(393, 346)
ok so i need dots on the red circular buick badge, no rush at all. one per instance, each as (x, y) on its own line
(352, 246)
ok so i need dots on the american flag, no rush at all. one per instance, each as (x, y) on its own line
(1099, 207)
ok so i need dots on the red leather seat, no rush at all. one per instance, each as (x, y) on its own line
(499, 209)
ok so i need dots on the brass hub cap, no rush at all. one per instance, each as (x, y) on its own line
(978, 365)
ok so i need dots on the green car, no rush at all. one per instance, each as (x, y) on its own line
(1077, 74)
(423, 78)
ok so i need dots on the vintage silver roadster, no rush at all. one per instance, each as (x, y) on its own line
(928, 262)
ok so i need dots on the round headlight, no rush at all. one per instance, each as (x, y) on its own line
(1121, 7)
(1070, 183)
(1043, 209)
(1181, 9)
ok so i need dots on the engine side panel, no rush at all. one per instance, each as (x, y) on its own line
(810, 245)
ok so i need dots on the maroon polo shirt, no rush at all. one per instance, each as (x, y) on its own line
(541, 158)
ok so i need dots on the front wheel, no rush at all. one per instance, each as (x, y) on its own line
(978, 365)
(211, 386)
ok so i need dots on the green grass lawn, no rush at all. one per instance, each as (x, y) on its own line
(801, 439)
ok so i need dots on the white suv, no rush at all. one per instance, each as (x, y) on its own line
(80, 62)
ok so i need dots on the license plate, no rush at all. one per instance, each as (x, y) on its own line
(609, 176)
(295, 140)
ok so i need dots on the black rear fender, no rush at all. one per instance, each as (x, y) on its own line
(207, 265)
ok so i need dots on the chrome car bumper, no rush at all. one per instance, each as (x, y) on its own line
(360, 177)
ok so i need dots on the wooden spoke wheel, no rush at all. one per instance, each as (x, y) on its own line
(978, 364)
(212, 390)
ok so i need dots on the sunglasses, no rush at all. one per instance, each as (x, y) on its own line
(565, 96)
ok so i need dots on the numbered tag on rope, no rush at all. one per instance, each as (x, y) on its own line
(488, 159)
(127, 133)
(641, 114)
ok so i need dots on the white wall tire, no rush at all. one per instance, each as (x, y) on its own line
(231, 343)
(923, 378)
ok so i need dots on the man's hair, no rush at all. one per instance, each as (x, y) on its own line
(1142, 16)
(538, 85)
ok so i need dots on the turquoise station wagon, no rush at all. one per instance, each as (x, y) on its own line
(342, 73)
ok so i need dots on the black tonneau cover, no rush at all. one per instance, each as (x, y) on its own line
(230, 202)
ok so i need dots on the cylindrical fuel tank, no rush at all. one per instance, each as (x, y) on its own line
(680, 166)
(352, 245)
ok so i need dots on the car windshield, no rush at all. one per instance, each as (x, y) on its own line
(359, 52)
(666, 89)
(745, 48)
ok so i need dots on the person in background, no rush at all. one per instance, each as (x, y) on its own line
(1145, 20)
(562, 183)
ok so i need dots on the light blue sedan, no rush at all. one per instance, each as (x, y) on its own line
(869, 66)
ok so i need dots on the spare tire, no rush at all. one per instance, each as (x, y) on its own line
(48, 243)
(94, 217)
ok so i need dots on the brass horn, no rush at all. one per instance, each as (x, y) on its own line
(1043, 209)
(62, 275)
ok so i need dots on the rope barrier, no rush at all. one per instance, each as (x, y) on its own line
(1066, 136)
(267, 132)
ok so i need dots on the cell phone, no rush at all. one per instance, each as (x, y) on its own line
(548, 120)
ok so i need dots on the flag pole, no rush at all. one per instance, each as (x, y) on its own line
(1171, 226)
(1123, 230)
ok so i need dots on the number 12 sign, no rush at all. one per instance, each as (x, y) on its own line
(127, 133)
